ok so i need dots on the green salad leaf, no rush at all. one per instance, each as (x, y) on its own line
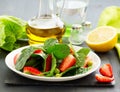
(25, 54)
(49, 43)
(11, 29)
(81, 56)
(53, 66)
(60, 51)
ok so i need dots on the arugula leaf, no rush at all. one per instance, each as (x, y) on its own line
(24, 56)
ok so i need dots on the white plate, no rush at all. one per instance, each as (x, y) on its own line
(10, 64)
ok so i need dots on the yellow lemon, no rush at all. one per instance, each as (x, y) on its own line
(102, 39)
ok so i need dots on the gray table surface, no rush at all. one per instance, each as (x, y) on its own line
(26, 9)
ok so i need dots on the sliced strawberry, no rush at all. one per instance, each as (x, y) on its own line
(48, 63)
(38, 51)
(15, 58)
(106, 70)
(71, 51)
(69, 61)
(105, 79)
(31, 70)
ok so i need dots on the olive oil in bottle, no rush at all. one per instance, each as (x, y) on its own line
(46, 25)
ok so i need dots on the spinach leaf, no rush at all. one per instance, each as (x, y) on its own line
(69, 72)
(37, 61)
(25, 54)
(82, 70)
(84, 50)
(53, 67)
(81, 56)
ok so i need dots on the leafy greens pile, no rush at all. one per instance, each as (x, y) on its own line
(11, 29)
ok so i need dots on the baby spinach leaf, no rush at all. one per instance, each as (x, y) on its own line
(81, 55)
(69, 72)
(82, 70)
(25, 54)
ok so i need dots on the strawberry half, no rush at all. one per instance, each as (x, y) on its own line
(48, 63)
(38, 51)
(67, 62)
(104, 79)
(31, 70)
(71, 51)
(106, 70)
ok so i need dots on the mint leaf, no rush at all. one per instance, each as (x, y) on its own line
(61, 51)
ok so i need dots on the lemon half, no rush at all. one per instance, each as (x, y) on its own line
(102, 39)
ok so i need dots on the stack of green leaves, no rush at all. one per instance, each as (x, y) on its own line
(110, 16)
(11, 29)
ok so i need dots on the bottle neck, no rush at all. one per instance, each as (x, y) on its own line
(45, 9)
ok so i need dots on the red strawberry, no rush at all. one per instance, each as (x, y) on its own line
(48, 63)
(106, 70)
(67, 62)
(38, 51)
(16, 57)
(31, 70)
(71, 51)
(105, 79)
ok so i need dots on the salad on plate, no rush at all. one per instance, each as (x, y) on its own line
(53, 60)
